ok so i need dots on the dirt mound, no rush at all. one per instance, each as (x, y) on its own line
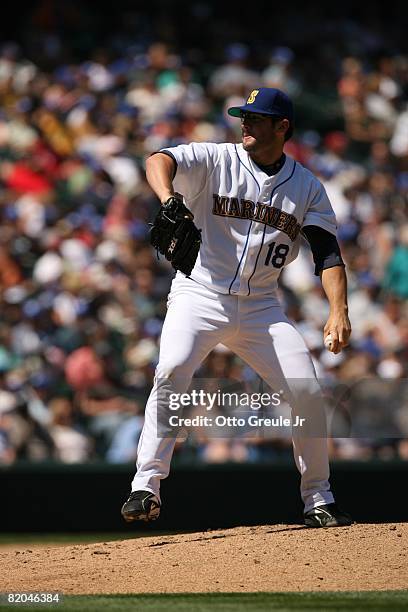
(265, 558)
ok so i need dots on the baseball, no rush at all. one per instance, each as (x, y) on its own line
(328, 342)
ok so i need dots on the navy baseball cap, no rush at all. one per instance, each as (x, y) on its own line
(266, 101)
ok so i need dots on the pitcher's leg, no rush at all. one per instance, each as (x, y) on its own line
(273, 347)
(154, 451)
(195, 323)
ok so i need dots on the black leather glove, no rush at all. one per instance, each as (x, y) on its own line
(175, 235)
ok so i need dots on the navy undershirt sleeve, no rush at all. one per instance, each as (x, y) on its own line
(325, 248)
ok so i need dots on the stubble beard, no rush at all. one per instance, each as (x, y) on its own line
(249, 146)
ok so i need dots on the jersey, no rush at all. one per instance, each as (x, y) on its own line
(251, 222)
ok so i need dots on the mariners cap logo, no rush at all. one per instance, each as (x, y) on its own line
(252, 96)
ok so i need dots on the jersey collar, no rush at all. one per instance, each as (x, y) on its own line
(283, 173)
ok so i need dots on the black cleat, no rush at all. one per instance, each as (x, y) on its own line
(141, 506)
(327, 515)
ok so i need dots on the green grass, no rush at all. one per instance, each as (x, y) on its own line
(231, 602)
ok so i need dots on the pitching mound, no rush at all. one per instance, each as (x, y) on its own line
(265, 558)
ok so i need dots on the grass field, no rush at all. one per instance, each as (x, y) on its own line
(395, 601)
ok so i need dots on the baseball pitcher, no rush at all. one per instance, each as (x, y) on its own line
(237, 224)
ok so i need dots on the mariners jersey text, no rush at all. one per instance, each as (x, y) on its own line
(225, 206)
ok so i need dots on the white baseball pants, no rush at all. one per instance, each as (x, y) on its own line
(255, 329)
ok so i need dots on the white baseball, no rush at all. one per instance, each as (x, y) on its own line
(328, 342)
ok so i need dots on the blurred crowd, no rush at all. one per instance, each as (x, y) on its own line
(82, 293)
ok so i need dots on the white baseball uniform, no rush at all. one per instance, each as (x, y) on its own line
(250, 226)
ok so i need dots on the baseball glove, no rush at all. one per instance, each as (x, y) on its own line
(174, 234)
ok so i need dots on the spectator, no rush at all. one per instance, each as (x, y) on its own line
(71, 445)
(396, 277)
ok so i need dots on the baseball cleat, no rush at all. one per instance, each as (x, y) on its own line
(141, 506)
(327, 515)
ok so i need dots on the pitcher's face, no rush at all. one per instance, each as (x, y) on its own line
(262, 132)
